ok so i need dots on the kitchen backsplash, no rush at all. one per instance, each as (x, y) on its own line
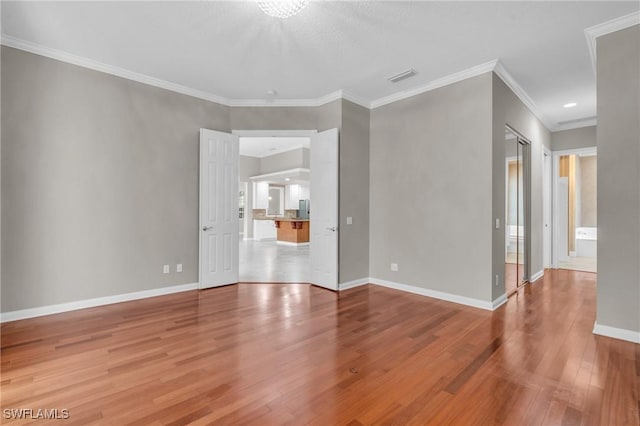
(261, 213)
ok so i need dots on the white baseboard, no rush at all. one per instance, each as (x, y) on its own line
(616, 333)
(499, 301)
(468, 301)
(287, 243)
(90, 303)
(536, 276)
(354, 283)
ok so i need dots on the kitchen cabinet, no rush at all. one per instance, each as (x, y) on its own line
(261, 195)
(264, 230)
(291, 197)
(304, 193)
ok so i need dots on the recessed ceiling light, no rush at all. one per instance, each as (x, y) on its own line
(287, 179)
(570, 105)
(271, 92)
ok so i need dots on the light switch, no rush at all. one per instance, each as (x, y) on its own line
(497, 223)
(349, 220)
(179, 267)
(165, 269)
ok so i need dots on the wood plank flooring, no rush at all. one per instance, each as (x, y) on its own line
(294, 354)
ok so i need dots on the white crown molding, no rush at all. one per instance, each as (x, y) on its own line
(506, 77)
(435, 84)
(70, 58)
(90, 303)
(108, 69)
(494, 65)
(616, 333)
(592, 33)
(577, 124)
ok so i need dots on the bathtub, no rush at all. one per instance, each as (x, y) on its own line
(586, 242)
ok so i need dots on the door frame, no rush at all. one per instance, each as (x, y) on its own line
(548, 207)
(283, 133)
(526, 182)
(593, 150)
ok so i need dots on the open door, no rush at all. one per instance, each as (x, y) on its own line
(324, 209)
(218, 209)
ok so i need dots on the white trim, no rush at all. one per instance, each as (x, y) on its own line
(462, 300)
(288, 243)
(90, 303)
(576, 124)
(280, 173)
(70, 58)
(273, 133)
(108, 69)
(506, 77)
(494, 65)
(617, 24)
(435, 84)
(499, 301)
(355, 283)
(616, 333)
(535, 277)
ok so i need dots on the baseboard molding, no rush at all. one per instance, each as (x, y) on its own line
(354, 283)
(501, 300)
(90, 303)
(288, 243)
(468, 301)
(616, 333)
(535, 277)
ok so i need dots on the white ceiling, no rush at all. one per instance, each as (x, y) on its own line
(265, 146)
(233, 50)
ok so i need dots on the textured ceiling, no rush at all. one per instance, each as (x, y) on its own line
(233, 50)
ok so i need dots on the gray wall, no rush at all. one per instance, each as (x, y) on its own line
(293, 159)
(424, 213)
(584, 137)
(508, 109)
(248, 166)
(589, 191)
(354, 192)
(618, 66)
(99, 182)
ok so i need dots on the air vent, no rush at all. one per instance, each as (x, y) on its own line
(403, 75)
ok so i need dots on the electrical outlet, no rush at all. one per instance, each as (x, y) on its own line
(166, 269)
(394, 267)
(179, 267)
(497, 279)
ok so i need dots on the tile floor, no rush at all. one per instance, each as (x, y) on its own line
(268, 261)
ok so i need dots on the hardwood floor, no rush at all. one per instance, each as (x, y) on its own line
(295, 354)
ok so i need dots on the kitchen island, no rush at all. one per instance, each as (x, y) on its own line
(292, 230)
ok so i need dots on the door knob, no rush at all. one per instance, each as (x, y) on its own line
(332, 228)
(207, 228)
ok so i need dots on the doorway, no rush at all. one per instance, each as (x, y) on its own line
(285, 241)
(575, 213)
(517, 210)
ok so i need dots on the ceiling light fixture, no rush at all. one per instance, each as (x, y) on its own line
(282, 8)
(570, 105)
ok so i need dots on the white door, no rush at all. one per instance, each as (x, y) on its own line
(218, 208)
(324, 209)
(546, 212)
